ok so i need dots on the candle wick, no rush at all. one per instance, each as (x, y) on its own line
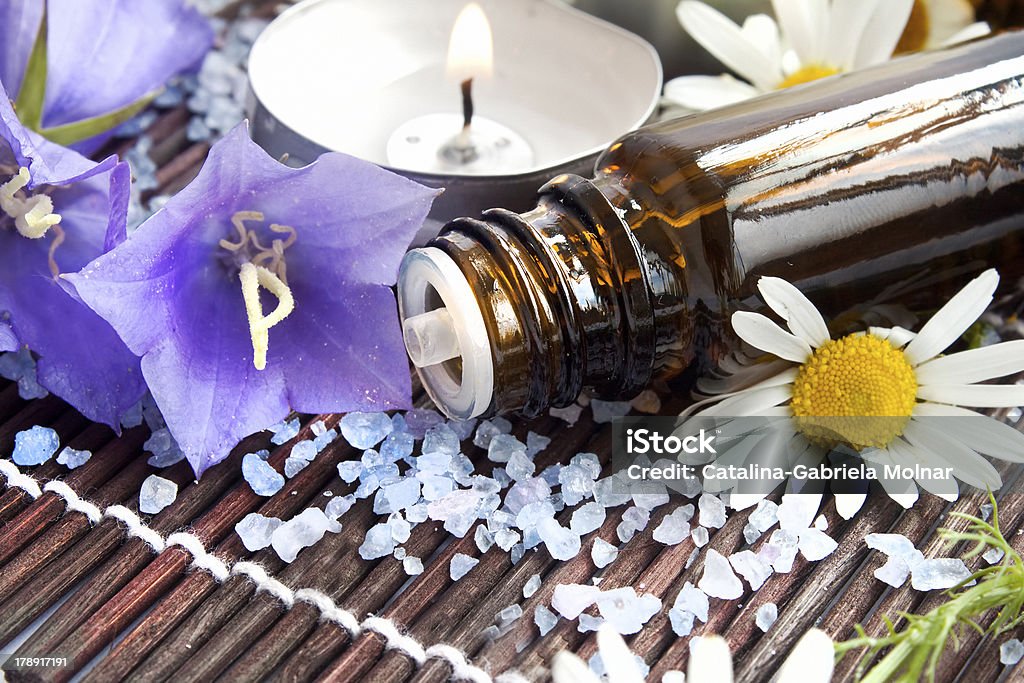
(467, 103)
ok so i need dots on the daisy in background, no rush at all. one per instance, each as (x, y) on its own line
(887, 393)
(811, 661)
(808, 40)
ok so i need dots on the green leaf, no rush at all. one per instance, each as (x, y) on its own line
(86, 128)
(29, 104)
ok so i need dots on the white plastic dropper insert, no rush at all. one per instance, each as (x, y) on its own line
(441, 322)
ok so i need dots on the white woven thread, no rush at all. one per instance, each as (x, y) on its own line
(220, 570)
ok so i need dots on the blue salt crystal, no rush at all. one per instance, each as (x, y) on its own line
(171, 96)
(255, 530)
(284, 431)
(420, 420)
(378, 543)
(551, 474)
(372, 458)
(484, 539)
(402, 494)
(164, 449)
(263, 479)
(325, 439)
(400, 528)
(293, 466)
(435, 486)
(545, 619)
(301, 531)
(365, 430)
(535, 443)
(397, 446)
(304, 450)
(461, 564)
(440, 439)
(132, 417)
(587, 518)
(525, 492)
(518, 551)
(434, 463)
(519, 466)
(35, 446)
(506, 538)
(417, 513)
(72, 459)
(156, 493)
(502, 477)
(398, 423)
(531, 586)
(368, 483)
(400, 553)
(603, 553)
(20, 367)
(463, 428)
(606, 411)
(502, 446)
(349, 470)
(339, 505)
(413, 566)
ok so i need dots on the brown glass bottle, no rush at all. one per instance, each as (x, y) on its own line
(908, 175)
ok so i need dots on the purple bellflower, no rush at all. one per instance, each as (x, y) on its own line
(260, 289)
(102, 56)
(59, 211)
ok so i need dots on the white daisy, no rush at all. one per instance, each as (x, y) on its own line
(888, 394)
(811, 661)
(934, 23)
(810, 39)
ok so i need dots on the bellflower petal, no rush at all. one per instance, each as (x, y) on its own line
(20, 22)
(173, 292)
(81, 358)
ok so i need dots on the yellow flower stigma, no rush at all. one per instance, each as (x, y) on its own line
(33, 216)
(859, 390)
(806, 74)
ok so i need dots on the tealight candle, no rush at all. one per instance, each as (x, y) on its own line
(387, 82)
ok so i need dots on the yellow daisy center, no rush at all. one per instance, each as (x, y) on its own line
(915, 35)
(806, 74)
(859, 390)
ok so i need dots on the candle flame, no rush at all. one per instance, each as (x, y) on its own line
(470, 49)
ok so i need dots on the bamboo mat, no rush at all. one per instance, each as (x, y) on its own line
(128, 601)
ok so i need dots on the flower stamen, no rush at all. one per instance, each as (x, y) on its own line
(33, 215)
(252, 278)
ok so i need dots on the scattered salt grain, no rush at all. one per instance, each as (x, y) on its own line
(675, 527)
(284, 431)
(991, 556)
(73, 459)
(484, 538)
(1011, 652)
(700, 536)
(378, 542)
(816, 545)
(712, 511)
(339, 505)
(765, 516)
(603, 553)
(412, 565)
(570, 414)
(488, 429)
(634, 520)
(35, 446)
(545, 619)
(894, 572)
(938, 574)
(164, 449)
(156, 493)
(625, 611)
(366, 430)
(606, 411)
(562, 543)
(751, 567)
(693, 600)
(506, 538)
(682, 622)
(463, 428)
(587, 518)
(293, 466)
(420, 420)
(349, 470)
(821, 524)
(751, 534)
(797, 511)
(460, 565)
(766, 616)
(535, 443)
(440, 439)
(301, 531)
(263, 479)
(589, 623)
(508, 615)
(20, 367)
(255, 530)
(519, 466)
(571, 599)
(531, 586)
(501, 447)
(719, 580)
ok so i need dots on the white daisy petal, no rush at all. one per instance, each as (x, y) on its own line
(905, 455)
(725, 40)
(976, 30)
(760, 332)
(800, 21)
(901, 490)
(708, 92)
(953, 319)
(982, 433)
(968, 466)
(568, 668)
(976, 365)
(946, 18)
(750, 403)
(710, 661)
(849, 504)
(883, 32)
(800, 315)
(847, 21)
(974, 395)
(762, 31)
(745, 378)
(619, 662)
(811, 661)
(897, 336)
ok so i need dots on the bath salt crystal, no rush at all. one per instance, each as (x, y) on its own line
(820, 523)
(508, 615)
(517, 553)
(401, 494)
(463, 428)
(577, 483)
(535, 443)
(304, 450)
(487, 430)
(571, 599)
(483, 538)
(815, 545)
(156, 493)
(986, 511)
(263, 479)
(700, 536)
(440, 439)
(506, 538)
(293, 466)
(682, 622)
(675, 527)
(73, 459)
(938, 574)
(349, 470)
(417, 513)
(719, 580)
(35, 446)
(522, 493)
(339, 505)
(606, 411)
(413, 566)
(895, 545)
(164, 449)
(418, 421)
(379, 542)
(255, 530)
(322, 441)
(460, 565)
(587, 518)
(991, 556)
(502, 446)
(545, 619)
(611, 492)
(562, 543)
(712, 511)
(625, 611)
(365, 430)
(570, 414)
(589, 623)
(519, 466)
(400, 528)
(603, 553)
(693, 600)
(766, 616)
(284, 431)
(751, 533)
(399, 553)
(751, 567)
(894, 572)
(1011, 652)
(797, 511)
(301, 531)
(531, 586)
(780, 551)
(764, 516)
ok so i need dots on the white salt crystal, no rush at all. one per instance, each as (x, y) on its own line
(936, 574)
(349, 470)
(797, 511)
(603, 553)
(751, 534)
(339, 505)
(284, 431)
(1011, 652)
(293, 466)
(816, 545)
(73, 459)
(894, 545)
(440, 439)
(502, 446)
(894, 572)
(570, 414)
(781, 550)
(993, 555)
(508, 615)
(460, 565)
(562, 543)
(506, 538)
(751, 567)
(545, 619)
(765, 516)
(700, 536)
(531, 586)
(611, 492)
(682, 622)
(571, 599)
(255, 530)
(820, 523)
(587, 518)
(35, 446)
(365, 430)
(156, 494)
(400, 553)
(535, 443)
(719, 580)
(419, 420)
(589, 623)
(304, 450)
(402, 494)
(625, 611)
(693, 600)
(766, 616)
(263, 479)
(486, 431)
(412, 565)
(519, 466)
(301, 531)
(462, 428)
(379, 542)
(712, 511)
(484, 539)
(675, 526)
(606, 411)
